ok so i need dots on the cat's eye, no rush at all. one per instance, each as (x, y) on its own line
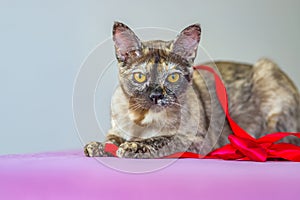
(172, 78)
(139, 77)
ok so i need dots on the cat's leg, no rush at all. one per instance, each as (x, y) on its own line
(96, 149)
(160, 146)
(279, 99)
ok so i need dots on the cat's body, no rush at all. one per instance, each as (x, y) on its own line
(162, 106)
(262, 99)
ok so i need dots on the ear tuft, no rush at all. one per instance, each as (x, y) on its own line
(186, 43)
(126, 42)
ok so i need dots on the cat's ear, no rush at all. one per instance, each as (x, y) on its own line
(126, 42)
(186, 43)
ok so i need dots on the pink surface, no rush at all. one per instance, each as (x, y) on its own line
(70, 175)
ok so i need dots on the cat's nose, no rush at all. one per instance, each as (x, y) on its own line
(156, 94)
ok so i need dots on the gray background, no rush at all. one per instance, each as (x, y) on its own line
(43, 43)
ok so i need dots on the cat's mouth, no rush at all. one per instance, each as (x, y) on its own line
(160, 104)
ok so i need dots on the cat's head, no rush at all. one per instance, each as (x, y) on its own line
(155, 73)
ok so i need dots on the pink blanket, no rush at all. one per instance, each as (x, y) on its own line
(71, 175)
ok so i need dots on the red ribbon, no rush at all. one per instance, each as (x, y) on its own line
(242, 146)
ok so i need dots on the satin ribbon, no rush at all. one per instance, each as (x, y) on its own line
(242, 145)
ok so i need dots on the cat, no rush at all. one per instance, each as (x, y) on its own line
(163, 106)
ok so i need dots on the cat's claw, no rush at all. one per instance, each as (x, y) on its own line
(134, 150)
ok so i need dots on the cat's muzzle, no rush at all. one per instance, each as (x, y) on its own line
(156, 95)
(158, 98)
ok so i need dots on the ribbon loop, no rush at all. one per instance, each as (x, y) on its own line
(249, 148)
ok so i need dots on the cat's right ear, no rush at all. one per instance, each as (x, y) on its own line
(127, 44)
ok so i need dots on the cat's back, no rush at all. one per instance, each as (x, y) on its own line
(232, 72)
(264, 75)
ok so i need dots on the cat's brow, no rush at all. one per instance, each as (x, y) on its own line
(152, 55)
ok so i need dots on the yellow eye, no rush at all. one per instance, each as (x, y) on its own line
(139, 77)
(172, 78)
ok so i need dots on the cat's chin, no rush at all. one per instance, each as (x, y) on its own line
(157, 108)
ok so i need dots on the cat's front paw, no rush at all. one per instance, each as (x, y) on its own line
(95, 149)
(134, 150)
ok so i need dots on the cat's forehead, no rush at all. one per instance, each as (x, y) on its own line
(158, 61)
(157, 44)
(157, 54)
(157, 65)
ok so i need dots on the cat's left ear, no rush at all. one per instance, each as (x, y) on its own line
(186, 43)
(127, 44)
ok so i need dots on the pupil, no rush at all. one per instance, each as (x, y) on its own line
(140, 75)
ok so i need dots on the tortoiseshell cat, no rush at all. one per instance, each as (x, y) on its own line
(163, 106)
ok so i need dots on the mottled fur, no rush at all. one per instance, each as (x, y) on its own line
(186, 116)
